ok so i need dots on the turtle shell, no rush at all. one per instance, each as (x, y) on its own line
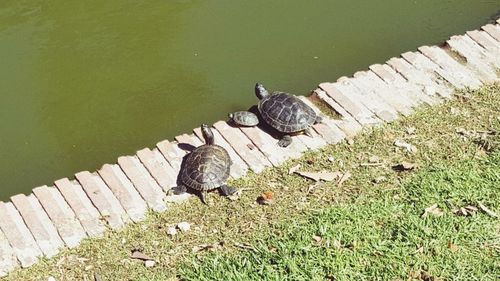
(245, 118)
(286, 113)
(206, 168)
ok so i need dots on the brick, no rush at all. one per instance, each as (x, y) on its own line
(8, 260)
(490, 45)
(38, 223)
(370, 99)
(143, 182)
(477, 60)
(350, 104)
(81, 206)
(268, 145)
(426, 80)
(19, 236)
(61, 215)
(328, 130)
(172, 153)
(103, 199)
(256, 161)
(440, 57)
(238, 167)
(493, 30)
(158, 167)
(124, 191)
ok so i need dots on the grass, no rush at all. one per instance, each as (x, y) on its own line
(366, 230)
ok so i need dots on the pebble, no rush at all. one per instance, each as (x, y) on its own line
(184, 226)
(51, 279)
(172, 231)
(149, 263)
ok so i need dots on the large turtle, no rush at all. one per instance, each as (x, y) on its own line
(206, 168)
(285, 113)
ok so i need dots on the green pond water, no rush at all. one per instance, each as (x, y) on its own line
(83, 82)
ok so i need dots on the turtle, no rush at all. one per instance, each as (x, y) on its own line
(286, 113)
(206, 168)
(244, 118)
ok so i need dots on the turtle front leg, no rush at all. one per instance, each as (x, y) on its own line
(227, 190)
(285, 141)
(309, 132)
(180, 189)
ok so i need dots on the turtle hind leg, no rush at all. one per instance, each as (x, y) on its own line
(178, 190)
(227, 190)
(285, 141)
(319, 119)
(203, 197)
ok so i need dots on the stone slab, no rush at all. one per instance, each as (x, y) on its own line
(490, 45)
(493, 30)
(158, 167)
(256, 161)
(38, 223)
(467, 77)
(238, 167)
(350, 104)
(347, 124)
(18, 235)
(190, 140)
(104, 200)
(64, 219)
(124, 191)
(477, 59)
(81, 205)
(8, 260)
(427, 81)
(267, 144)
(172, 153)
(143, 182)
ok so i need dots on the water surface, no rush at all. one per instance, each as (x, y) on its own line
(83, 82)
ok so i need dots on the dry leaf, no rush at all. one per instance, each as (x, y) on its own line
(411, 130)
(337, 244)
(409, 147)
(487, 211)
(344, 177)
(171, 231)
(245, 246)
(374, 159)
(266, 198)
(140, 256)
(184, 226)
(404, 166)
(294, 169)
(317, 238)
(326, 176)
(452, 246)
(432, 210)
(331, 159)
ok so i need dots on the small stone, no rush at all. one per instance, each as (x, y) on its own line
(331, 159)
(184, 226)
(51, 279)
(149, 263)
(177, 199)
(379, 179)
(171, 231)
(374, 159)
(411, 130)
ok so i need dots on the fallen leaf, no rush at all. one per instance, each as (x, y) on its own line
(266, 198)
(409, 147)
(140, 256)
(171, 231)
(486, 210)
(337, 244)
(344, 177)
(350, 141)
(470, 209)
(250, 146)
(245, 246)
(404, 166)
(294, 169)
(203, 247)
(374, 159)
(379, 179)
(331, 159)
(432, 210)
(317, 238)
(97, 277)
(149, 263)
(452, 246)
(326, 176)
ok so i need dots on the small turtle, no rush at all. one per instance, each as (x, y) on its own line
(244, 118)
(285, 113)
(206, 168)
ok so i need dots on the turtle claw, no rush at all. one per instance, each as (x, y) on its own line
(285, 141)
(227, 190)
(178, 190)
(203, 197)
(309, 132)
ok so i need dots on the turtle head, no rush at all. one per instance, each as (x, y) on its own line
(230, 115)
(260, 91)
(207, 134)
